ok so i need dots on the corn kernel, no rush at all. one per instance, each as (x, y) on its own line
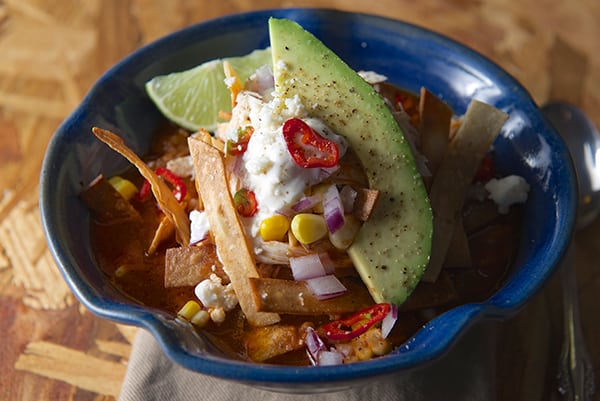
(379, 346)
(362, 350)
(274, 228)
(344, 237)
(123, 186)
(200, 319)
(308, 228)
(189, 310)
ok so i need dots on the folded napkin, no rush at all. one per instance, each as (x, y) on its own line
(465, 373)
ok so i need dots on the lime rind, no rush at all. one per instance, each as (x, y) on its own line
(193, 98)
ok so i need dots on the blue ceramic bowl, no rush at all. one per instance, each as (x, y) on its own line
(411, 57)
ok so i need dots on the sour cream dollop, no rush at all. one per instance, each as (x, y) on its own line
(267, 167)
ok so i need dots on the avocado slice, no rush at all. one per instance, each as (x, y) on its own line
(392, 248)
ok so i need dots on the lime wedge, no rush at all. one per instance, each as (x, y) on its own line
(193, 98)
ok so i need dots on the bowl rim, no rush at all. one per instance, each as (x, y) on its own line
(464, 316)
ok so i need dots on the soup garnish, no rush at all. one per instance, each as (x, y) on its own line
(299, 230)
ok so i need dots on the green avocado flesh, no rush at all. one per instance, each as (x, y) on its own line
(392, 248)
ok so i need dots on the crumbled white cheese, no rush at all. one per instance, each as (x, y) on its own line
(267, 167)
(507, 191)
(199, 226)
(262, 81)
(182, 166)
(213, 294)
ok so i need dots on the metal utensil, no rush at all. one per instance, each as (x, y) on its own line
(576, 375)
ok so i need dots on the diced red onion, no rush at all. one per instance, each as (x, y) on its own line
(285, 212)
(346, 349)
(329, 358)
(335, 221)
(325, 287)
(387, 324)
(327, 263)
(348, 196)
(306, 267)
(314, 345)
(310, 266)
(305, 203)
(318, 353)
(326, 172)
(333, 211)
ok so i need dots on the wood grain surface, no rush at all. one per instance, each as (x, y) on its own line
(51, 348)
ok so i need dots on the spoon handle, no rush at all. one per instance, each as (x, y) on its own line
(576, 380)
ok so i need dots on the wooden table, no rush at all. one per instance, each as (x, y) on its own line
(51, 348)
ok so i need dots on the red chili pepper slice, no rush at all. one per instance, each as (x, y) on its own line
(355, 325)
(245, 202)
(238, 147)
(144, 192)
(179, 187)
(307, 147)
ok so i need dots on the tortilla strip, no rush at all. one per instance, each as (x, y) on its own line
(165, 198)
(480, 215)
(435, 116)
(163, 232)
(459, 253)
(294, 297)
(365, 202)
(235, 86)
(189, 265)
(106, 203)
(480, 126)
(263, 343)
(238, 263)
(205, 136)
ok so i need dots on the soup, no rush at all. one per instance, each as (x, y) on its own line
(133, 251)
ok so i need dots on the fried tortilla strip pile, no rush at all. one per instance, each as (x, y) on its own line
(165, 198)
(480, 126)
(238, 263)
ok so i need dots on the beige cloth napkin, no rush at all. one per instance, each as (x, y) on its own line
(466, 373)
